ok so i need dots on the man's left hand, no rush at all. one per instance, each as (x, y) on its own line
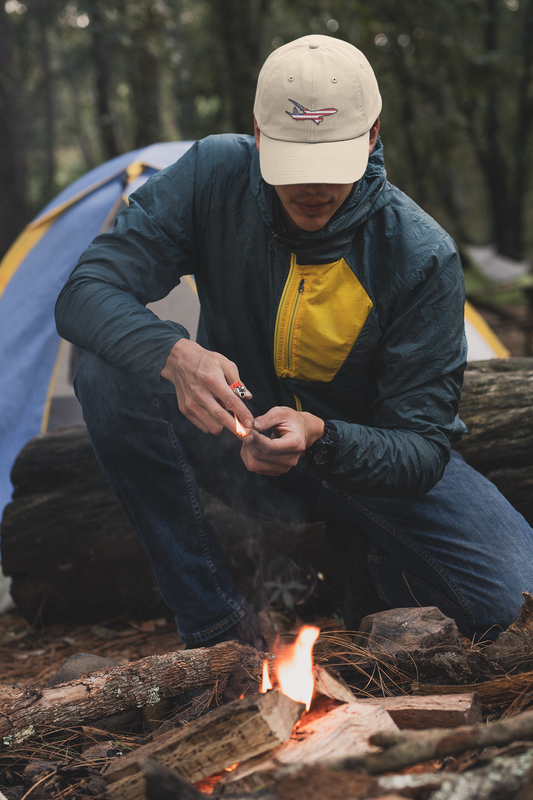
(292, 432)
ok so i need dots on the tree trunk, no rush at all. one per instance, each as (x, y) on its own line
(49, 189)
(103, 83)
(144, 82)
(241, 27)
(13, 215)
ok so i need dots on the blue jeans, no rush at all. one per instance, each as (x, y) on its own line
(461, 547)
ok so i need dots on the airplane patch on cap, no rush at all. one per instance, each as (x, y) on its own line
(301, 112)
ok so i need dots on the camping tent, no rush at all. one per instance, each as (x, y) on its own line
(33, 273)
(34, 270)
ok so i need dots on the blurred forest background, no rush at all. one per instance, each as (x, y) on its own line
(84, 80)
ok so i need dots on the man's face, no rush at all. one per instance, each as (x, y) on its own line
(310, 206)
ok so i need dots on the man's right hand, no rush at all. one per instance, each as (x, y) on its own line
(202, 379)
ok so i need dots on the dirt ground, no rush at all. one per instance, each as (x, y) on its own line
(29, 655)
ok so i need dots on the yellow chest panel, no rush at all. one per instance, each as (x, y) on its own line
(321, 313)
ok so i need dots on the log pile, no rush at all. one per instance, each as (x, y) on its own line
(353, 742)
(73, 555)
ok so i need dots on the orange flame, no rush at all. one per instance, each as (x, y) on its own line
(266, 684)
(294, 670)
(240, 429)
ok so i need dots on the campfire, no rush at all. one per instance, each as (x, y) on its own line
(259, 723)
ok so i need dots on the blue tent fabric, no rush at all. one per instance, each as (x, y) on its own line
(29, 342)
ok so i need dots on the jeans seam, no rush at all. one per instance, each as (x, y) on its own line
(386, 526)
(200, 529)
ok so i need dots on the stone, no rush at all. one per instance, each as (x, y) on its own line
(405, 629)
(83, 664)
(77, 665)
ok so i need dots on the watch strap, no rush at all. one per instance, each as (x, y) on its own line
(325, 448)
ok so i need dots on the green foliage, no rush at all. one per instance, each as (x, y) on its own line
(97, 78)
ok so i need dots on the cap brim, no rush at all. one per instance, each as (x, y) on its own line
(284, 163)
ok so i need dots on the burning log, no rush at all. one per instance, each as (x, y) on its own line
(344, 732)
(239, 730)
(26, 711)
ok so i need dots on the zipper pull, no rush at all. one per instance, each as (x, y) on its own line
(301, 286)
(272, 243)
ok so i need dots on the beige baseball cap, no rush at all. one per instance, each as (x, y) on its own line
(316, 101)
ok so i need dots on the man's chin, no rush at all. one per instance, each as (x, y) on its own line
(312, 224)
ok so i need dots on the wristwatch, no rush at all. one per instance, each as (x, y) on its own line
(324, 449)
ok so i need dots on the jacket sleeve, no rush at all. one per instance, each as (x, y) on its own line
(102, 305)
(419, 371)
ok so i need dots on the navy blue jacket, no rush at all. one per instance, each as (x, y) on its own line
(361, 322)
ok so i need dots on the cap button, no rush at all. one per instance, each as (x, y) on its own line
(313, 47)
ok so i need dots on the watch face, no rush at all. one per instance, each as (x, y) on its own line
(324, 455)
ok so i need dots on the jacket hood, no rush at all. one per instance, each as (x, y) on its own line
(332, 241)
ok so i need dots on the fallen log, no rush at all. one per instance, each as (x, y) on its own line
(73, 555)
(65, 539)
(493, 693)
(404, 748)
(239, 730)
(505, 777)
(441, 667)
(24, 712)
(497, 407)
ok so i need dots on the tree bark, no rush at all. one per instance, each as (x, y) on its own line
(405, 749)
(240, 27)
(49, 188)
(26, 711)
(103, 83)
(144, 81)
(498, 410)
(13, 215)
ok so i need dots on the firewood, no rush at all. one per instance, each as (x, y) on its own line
(332, 686)
(505, 777)
(437, 666)
(496, 692)
(26, 711)
(239, 730)
(404, 748)
(431, 711)
(343, 732)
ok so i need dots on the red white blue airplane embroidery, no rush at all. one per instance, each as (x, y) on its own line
(301, 112)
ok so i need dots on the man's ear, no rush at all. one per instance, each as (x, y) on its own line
(257, 133)
(374, 133)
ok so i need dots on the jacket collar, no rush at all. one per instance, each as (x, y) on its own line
(333, 241)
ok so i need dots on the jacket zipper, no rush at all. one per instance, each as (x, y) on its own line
(288, 306)
(290, 329)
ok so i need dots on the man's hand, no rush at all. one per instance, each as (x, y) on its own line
(202, 379)
(292, 433)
